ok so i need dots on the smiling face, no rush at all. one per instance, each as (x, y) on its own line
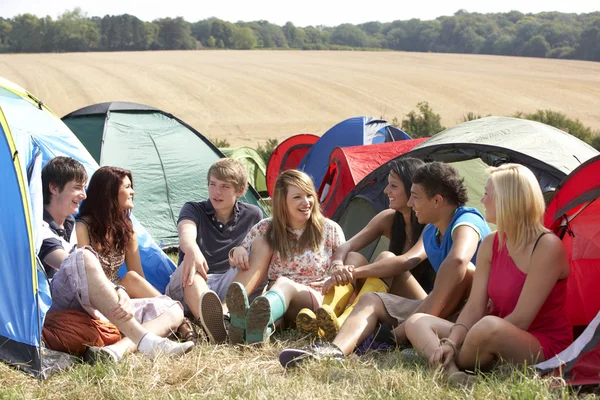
(222, 194)
(67, 201)
(126, 193)
(423, 206)
(396, 193)
(299, 206)
(488, 202)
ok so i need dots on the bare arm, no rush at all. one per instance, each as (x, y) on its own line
(55, 258)
(394, 265)
(194, 260)
(132, 257)
(380, 225)
(548, 264)
(476, 306)
(450, 274)
(83, 236)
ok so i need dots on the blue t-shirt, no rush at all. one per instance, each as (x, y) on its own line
(436, 253)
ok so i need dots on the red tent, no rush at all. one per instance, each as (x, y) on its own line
(574, 215)
(288, 155)
(348, 165)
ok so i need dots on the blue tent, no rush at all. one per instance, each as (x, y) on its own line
(356, 131)
(30, 135)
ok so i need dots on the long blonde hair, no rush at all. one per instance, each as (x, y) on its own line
(519, 205)
(277, 234)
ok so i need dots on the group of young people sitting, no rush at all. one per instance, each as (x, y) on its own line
(495, 295)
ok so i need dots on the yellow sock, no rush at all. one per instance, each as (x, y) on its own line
(338, 298)
(371, 285)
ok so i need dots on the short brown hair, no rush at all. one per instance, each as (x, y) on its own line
(230, 170)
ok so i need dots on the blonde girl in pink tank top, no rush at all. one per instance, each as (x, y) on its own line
(521, 273)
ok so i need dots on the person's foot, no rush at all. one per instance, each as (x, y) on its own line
(211, 317)
(306, 323)
(258, 319)
(327, 322)
(237, 303)
(95, 354)
(186, 331)
(381, 340)
(153, 346)
(290, 358)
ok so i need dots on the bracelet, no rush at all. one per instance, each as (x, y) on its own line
(449, 343)
(231, 252)
(333, 264)
(117, 287)
(463, 325)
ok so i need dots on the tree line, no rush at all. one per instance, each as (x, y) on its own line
(547, 34)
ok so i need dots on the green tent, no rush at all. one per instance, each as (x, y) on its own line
(472, 147)
(254, 163)
(169, 160)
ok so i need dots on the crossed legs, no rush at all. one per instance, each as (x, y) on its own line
(489, 338)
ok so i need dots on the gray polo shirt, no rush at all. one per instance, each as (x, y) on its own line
(215, 239)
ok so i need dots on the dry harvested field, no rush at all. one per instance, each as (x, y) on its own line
(246, 96)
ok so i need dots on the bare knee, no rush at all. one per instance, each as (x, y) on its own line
(369, 301)
(384, 255)
(356, 259)
(415, 322)
(485, 332)
(91, 262)
(175, 313)
(285, 284)
(132, 275)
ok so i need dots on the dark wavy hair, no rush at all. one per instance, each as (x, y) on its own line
(107, 219)
(404, 169)
(443, 179)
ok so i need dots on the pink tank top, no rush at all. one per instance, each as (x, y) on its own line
(551, 325)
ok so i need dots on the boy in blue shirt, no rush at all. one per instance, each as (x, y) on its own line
(450, 242)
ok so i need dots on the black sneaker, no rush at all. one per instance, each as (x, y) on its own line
(290, 358)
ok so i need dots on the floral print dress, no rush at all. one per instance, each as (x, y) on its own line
(307, 267)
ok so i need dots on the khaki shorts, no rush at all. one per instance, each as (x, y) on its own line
(400, 308)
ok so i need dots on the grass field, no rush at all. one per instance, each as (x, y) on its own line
(246, 96)
(224, 372)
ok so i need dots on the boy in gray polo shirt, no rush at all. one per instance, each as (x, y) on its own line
(208, 230)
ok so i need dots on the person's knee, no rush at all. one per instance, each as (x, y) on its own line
(175, 314)
(284, 283)
(369, 301)
(91, 262)
(486, 331)
(414, 322)
(384, 255)
(133, 276)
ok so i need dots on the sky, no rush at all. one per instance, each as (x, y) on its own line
(300, 13)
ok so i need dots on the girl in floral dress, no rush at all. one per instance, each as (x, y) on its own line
(296, 244)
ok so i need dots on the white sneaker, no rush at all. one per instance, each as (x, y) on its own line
(153, 346)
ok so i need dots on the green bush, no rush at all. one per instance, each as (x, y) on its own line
(422, 123)
(266, 150)
(471, 116)
(564, 123)
(218, 142)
